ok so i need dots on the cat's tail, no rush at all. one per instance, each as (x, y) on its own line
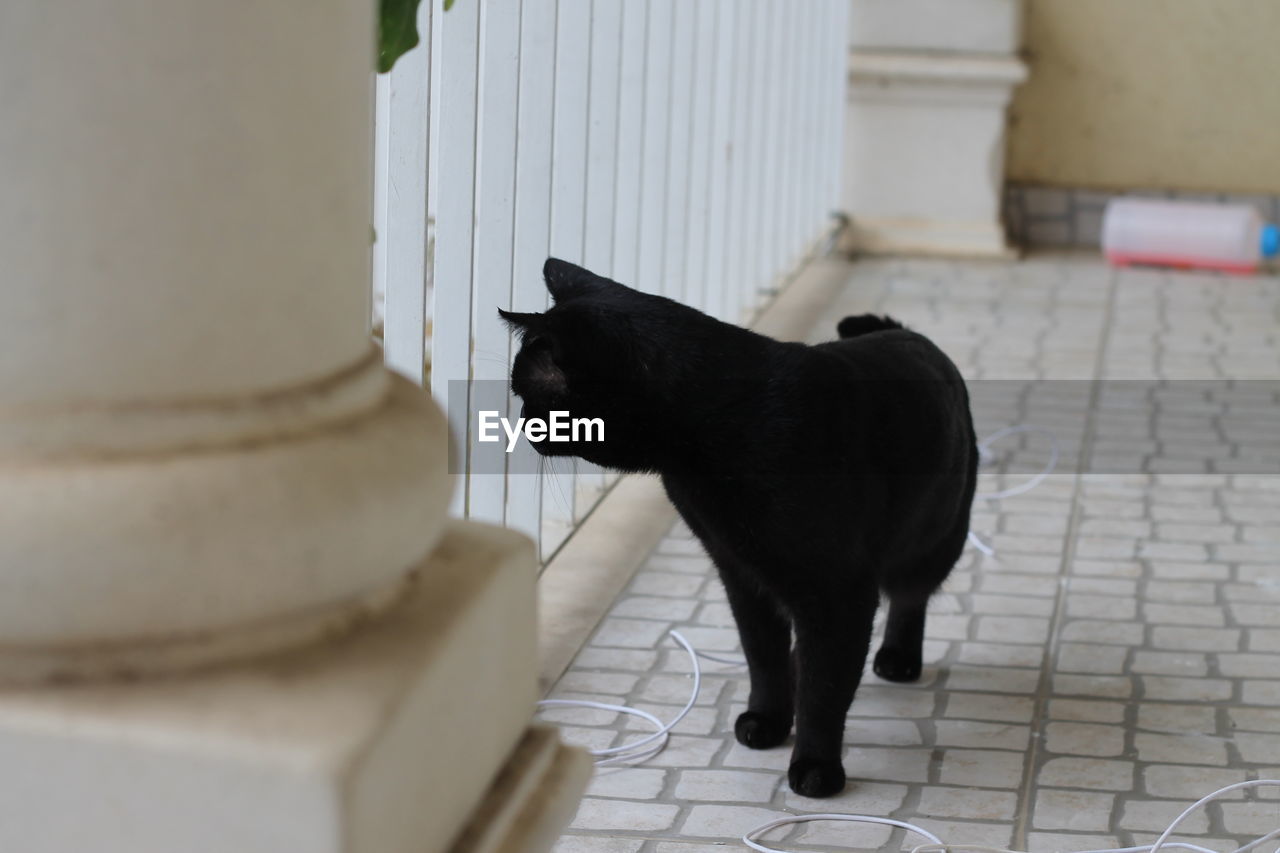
(851, 327)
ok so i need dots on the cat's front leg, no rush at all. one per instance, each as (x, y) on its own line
(766, 642)
(833, 637)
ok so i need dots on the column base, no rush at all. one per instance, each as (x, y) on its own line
(924, 151)
(919, 237)
(381, 742)
(534, 798)
(295, 530)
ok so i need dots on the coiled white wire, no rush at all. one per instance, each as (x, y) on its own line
(936, 845)
(721, 658)
(985, 454)
(984, 450)
(750, 838)
(650, 745)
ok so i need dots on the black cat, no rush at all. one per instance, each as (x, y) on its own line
(817, 477)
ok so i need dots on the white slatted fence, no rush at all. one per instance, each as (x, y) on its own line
(691, 149)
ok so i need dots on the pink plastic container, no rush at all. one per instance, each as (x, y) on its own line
(1185, 234)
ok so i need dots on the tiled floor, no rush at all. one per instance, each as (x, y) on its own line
(1118, 657)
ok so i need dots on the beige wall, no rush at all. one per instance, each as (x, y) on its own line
(1177, 94)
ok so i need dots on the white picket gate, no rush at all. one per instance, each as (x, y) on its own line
(691, 149)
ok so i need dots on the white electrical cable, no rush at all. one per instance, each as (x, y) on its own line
(650, 745)
(987, 456)
(982, 848)
(750, 838)
(722, 658)
(1256, 783)
(938, 846)
(976, 541)
(1257, 842)
(984, 448)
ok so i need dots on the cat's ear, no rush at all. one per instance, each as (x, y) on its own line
(565, 280)
(519, 322)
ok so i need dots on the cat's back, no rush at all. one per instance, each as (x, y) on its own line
(894, 382)
(891, 354)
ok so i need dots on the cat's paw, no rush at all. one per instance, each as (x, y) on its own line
(896, 664)
(760, 731)
(810, 777)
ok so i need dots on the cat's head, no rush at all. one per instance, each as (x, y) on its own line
(601, 351)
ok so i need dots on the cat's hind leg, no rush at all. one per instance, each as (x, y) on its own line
(832, 640)
(901, 653)
(765, 633)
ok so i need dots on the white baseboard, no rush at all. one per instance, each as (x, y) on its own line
(927, 237)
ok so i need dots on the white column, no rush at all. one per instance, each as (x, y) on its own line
(203, 446)
(929, 83)
(202, 461)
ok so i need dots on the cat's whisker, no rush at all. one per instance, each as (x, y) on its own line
(561, 493)
(493, 359)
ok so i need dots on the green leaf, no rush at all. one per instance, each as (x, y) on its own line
(397, 31)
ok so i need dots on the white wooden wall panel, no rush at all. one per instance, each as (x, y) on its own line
(798, 146)
(803, 135)
(803, 140)
(789, 97)
(690, 149)
(499, 64)
(788, 101)
(532, 229)
(679, 160)
(453, 165)
(775, 208)
(837, 78)
(822, 96)
(631, 131)
(657, 119)
(568, 215)
(812, 210)
(737, 261)
(806, 135)
(400, 206)
(602, 174)
(605, 47)
(724, 33)
(761, 156)
(569, 133)
(697, 290)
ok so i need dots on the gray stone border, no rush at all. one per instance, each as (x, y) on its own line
(1042, 216)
